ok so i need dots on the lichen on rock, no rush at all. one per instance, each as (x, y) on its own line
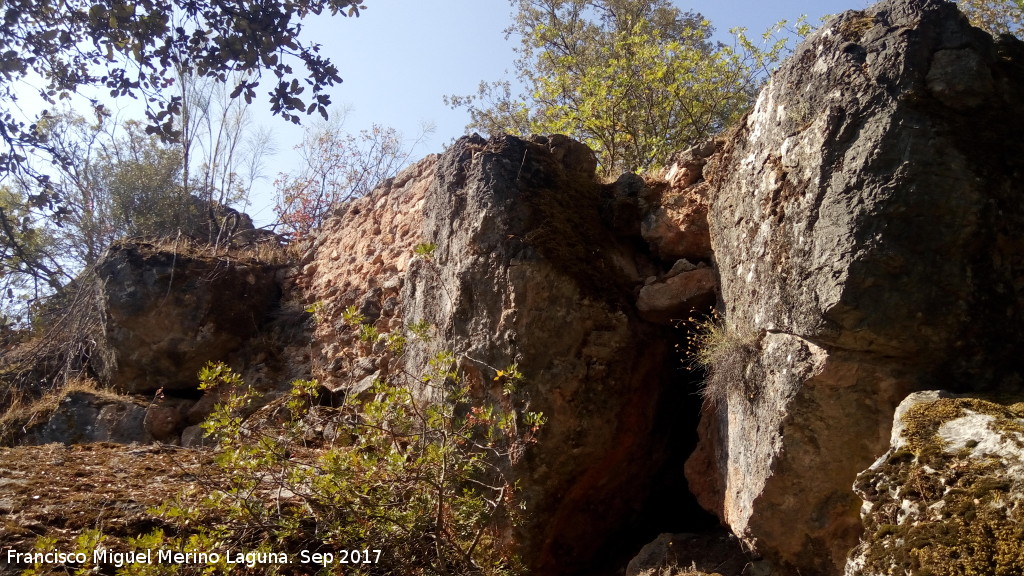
(948, 497)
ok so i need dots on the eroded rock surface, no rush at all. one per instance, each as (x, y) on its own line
(947, 497)
(675, 206)
(867, 223)
(527, 271)
(361, 260)
(167, 311)
(510, 251)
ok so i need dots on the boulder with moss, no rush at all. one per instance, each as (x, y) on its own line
(948, 497)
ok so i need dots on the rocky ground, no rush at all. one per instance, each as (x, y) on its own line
(59, 491)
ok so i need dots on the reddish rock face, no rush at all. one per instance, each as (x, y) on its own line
(361, 259)
(674, 206)
(678, 297)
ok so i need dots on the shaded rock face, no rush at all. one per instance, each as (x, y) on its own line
(868, 235)
(689, 555)
(947, 497)
(527, 271)
(166, 313)
(525, 259)
(86, 417)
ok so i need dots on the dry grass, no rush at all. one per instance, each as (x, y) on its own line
(27, 410)
(59, 491)
(56, 354)
(725, 354)
(264, 251)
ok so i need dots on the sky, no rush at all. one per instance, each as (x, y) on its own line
(401, 57)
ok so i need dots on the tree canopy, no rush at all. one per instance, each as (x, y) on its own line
(996, 16)
(51, 50)
(139, 48)
(634, 79)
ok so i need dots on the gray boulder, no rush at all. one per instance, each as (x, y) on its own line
(867, 223)
(83, 417)
(167, 310)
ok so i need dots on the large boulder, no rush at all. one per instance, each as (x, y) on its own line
(527, 271)
(168, 309)
(84, 416)
(868, 228)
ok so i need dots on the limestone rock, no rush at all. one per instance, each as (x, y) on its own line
(677, 297)
(167, 311)
(947, 498)
(869, 236)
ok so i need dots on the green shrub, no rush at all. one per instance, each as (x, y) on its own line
(424, 483)
(425, 249)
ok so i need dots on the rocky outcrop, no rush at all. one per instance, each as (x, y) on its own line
(82, 417)
(511, 252)
(867, 227)
(168, 309)
(675, 206)
(864, 229)
(526, 271)
(947, 497)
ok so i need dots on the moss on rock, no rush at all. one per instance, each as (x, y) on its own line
(948, 499)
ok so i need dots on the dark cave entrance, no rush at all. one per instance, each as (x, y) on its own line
(669, 506)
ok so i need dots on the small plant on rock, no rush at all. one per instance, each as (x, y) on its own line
(425, 249)
(724, 354)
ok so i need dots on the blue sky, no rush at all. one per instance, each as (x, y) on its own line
(402, 56)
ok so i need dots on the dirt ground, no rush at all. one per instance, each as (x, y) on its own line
(57, 491)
